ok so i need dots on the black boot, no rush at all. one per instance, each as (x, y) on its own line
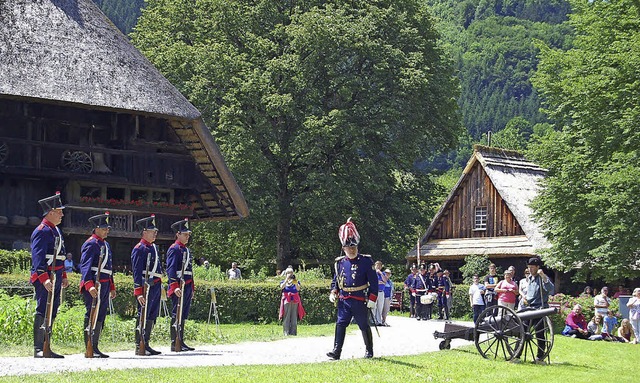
(337, 343)
(38, 339)
(38, 336)
(184, 345)
(96, 340)
(147, 336)
(137, 339)
(368, 342)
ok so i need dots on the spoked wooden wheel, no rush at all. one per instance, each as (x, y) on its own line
(538, 337)
(78, 161)
(499, 333)
(4, 152)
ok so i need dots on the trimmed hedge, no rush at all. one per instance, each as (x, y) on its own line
(237, 301)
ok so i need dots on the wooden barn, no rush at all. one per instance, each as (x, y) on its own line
(487, 213)
(84, 113)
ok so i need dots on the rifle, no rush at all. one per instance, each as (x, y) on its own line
(48, 317)
(95, 306)
(143, 311)
(178, 322)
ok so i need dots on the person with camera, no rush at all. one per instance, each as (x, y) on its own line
(354, 289)
(290, 305)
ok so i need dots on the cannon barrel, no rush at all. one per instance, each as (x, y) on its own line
(536, 314)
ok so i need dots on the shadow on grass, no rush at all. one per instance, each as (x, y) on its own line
(398, 362)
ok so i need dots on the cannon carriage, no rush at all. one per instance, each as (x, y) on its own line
(500, 332)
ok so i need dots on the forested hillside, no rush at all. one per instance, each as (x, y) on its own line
(123, 13)
(493, 43)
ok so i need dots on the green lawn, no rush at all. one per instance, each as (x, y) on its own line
(572, 361)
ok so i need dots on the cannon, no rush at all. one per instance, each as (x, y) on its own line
(501, 332)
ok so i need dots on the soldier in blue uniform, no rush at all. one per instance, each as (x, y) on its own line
(419, 288)
(47, 259)
(92, 248)
(145, 254)
(408, 282)
(444, 287)
(355, 288)
(178, 256)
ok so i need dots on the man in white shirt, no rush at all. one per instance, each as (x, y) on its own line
(601, 302)
(476, 299)
(234, 271)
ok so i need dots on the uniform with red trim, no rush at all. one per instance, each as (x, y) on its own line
(354, 288)
(90, 263)
(177, 256)
(47, 259)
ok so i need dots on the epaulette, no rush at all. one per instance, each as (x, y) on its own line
(41, 226)
(138, 245)
(340, 258)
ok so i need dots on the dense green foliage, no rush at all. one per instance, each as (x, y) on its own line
(474, 265)
(13, 260)
(123, 13)
(321, 108)
(493, 45)
(589, 206)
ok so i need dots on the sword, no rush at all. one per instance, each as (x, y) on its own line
(374, 321)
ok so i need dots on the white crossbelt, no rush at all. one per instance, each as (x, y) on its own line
(185, 273)
(102, 271)
(144, 272)
(50, 257)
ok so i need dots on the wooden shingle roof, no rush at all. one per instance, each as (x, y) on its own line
(517, 181)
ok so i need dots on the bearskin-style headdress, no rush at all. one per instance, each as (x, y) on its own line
(348, 234)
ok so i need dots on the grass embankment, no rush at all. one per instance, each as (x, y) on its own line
(572, 360)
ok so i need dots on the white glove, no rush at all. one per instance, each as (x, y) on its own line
(371, 304)
(332, 297)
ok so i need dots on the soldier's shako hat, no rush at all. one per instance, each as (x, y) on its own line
(148, 223)
(348, 234)
(181, 226)
(534, 261)
(50, 203)
(100, 221)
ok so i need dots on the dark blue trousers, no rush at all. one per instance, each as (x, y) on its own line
(42, 294)
(352, 308)
(186, 303)
(104, 301)
(153, 302)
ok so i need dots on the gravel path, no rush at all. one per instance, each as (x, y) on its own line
(399, 339)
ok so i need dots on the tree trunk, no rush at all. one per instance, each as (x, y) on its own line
(283, 238)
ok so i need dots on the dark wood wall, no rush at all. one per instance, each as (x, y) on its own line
(458, 217)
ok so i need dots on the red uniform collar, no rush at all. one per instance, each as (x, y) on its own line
(180, 244)
(94, 235)
(145, 242)
(48, 223)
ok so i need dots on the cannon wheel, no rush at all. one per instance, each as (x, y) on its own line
(77, 161)
(445, 345)
(545, 333)
(499, 333)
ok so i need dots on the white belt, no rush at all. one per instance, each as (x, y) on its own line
(102, 271)
(152, 274)
(51, 257)
(185, 273)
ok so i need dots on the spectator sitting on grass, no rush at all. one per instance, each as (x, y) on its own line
(576, 324)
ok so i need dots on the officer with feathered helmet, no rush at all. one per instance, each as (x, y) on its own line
(143, 254)
(178, 259)
(354, 288)
(90, 263)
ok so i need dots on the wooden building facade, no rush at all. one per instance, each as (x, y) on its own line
(487, 213)
(84, 113)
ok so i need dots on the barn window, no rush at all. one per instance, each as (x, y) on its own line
(481, 218)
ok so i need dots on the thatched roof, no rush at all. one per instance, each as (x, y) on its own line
(517, 181)
(68, 52)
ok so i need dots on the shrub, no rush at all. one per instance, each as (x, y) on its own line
(13, 260)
